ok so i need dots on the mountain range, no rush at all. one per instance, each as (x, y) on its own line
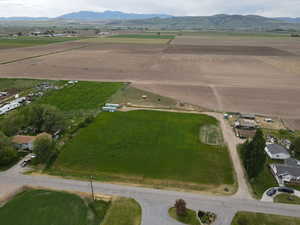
(164, 21)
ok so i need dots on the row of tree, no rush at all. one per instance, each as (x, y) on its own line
(253, 154)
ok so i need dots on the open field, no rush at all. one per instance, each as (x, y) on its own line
(137, 146)
(18, 42)
(247, 218)
(144, 36)
(129, 40)
(226, 82)
(83, 96)
(42, 207)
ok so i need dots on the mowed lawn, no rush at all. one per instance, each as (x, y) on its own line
(83, 96)
(247, 218)
(42, 207)
(147, 145)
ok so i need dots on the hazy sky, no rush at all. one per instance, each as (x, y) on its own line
(52, 8)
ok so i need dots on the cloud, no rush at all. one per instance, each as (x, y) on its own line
(52, 8)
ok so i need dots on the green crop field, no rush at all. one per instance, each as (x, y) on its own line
(144, 36)
(17, 42)
(142, 146)
(83, 96)
(18, 84)
(247, 218)
(41, 207)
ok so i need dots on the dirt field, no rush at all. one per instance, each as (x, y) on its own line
(250, 83)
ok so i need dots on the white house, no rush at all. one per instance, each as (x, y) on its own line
(275, 151)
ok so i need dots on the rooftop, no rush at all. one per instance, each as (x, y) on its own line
(277, 149)
(283, 169)
(23, 139)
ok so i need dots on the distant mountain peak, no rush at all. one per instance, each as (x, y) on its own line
(109, 15)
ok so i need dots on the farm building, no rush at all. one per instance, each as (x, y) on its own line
(246, 124)
(23, 142)
(275, 151)
(245, 133)
(287, 173)
(248, 116)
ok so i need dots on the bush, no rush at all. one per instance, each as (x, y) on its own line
(180, 206)
(7, 152)
(44, 148)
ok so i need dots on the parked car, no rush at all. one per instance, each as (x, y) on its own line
(286, 190)
(25, 163)
(271, 192)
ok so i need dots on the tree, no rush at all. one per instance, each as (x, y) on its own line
(296, 147)
(253, 154)
(7, 152)
(180, 207)
(44, 149)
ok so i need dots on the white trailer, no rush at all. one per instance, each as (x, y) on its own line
(113, 105)
(109, 109)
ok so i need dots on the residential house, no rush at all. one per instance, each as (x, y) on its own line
(23, 142)
(246, 124)
(289, 172)
(275, 151)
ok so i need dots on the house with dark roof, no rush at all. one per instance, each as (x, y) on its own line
(276, 151)
(289, 172)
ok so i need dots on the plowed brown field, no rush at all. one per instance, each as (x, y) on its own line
(267, 81)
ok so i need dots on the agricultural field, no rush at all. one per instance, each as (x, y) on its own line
(18, 42)
(42, 207)
(144, 36)
(247, 218)
(229, 73)
(81, 97)
(130, 40)
(137, 146)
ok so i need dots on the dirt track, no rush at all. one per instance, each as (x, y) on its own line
(245, 83)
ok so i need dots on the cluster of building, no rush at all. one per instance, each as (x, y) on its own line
(245, 126)
(287, 172)
(111, 107)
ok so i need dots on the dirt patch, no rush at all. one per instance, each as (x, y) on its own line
(211, 135)
(226, 50)
(292, 124)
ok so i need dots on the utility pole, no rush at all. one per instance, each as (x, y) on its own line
(92, 188)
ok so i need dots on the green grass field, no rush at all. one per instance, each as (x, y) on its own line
(83, 96)
(42, 207)
(287, 198)
(190, 218)
(123, 211)
(146, 145)
(247, 218)
(18, 84)
(144, 36)
(17, 42)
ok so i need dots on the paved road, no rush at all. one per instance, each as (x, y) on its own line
(155, 203)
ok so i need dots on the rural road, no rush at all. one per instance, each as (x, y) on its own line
(155, 203)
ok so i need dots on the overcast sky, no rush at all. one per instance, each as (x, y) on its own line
(53, 8)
